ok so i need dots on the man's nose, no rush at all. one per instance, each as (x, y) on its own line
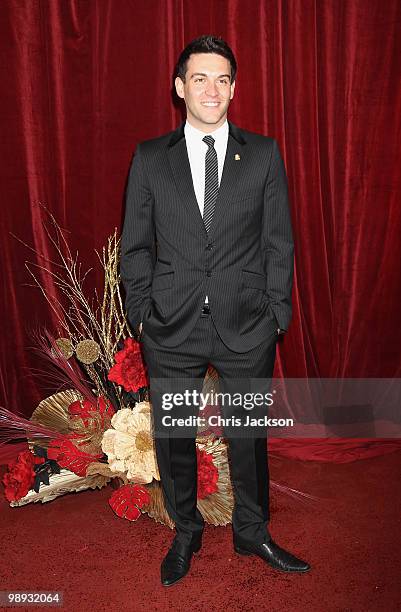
(211, 89)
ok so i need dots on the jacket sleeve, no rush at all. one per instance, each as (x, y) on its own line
(278, 241)
(137, 242)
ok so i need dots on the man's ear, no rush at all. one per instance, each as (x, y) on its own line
(232, 88)
(179, 87)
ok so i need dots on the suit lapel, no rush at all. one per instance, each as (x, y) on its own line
(230, 177)
(181, 169)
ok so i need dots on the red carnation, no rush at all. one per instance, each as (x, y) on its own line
(129, 370)
(19, 479)
(208, 474)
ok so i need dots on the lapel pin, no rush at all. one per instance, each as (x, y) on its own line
(237, 157)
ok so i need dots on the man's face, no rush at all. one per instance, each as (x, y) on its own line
(207, 90)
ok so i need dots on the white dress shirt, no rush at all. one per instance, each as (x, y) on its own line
(196, 149)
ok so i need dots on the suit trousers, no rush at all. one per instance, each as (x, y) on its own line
(173, 370)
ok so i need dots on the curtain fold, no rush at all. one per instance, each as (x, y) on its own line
(83, 82)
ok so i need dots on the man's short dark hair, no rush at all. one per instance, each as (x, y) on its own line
(206, 44)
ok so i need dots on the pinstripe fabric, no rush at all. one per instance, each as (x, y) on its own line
(243, 262)
(211, 181)
(183, 368)
(169, 262)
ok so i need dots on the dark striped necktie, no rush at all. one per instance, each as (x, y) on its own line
(211, 182)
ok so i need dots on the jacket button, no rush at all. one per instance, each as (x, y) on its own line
(208, 273)
(209, 246)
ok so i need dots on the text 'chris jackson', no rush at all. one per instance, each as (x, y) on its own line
(219, 421)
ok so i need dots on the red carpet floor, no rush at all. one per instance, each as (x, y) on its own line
(351, 538)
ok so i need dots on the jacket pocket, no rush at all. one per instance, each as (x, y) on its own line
(164, 261)
(253, 279)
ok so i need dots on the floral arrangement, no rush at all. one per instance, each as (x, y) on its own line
(96, 428)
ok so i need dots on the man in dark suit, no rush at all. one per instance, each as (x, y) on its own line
(207, 264)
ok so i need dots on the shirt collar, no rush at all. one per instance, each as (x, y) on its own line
(220, 134)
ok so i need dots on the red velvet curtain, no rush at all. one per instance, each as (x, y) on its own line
(83, 81)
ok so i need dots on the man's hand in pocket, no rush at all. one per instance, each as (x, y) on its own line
(138, 331)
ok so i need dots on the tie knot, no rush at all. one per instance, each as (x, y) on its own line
(209, 140)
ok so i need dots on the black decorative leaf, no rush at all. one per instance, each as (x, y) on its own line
(44, 476)
(36, 484)
(130, 398)
(40, 451)
(40, 477)
(43, 471)
(54, 466)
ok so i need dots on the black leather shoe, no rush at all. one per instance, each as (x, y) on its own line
(270, 552)
(177, 562)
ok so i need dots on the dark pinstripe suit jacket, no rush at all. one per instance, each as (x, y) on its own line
(245, 264)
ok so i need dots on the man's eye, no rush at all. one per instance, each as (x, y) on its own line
(199, 79)
(224, 81)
